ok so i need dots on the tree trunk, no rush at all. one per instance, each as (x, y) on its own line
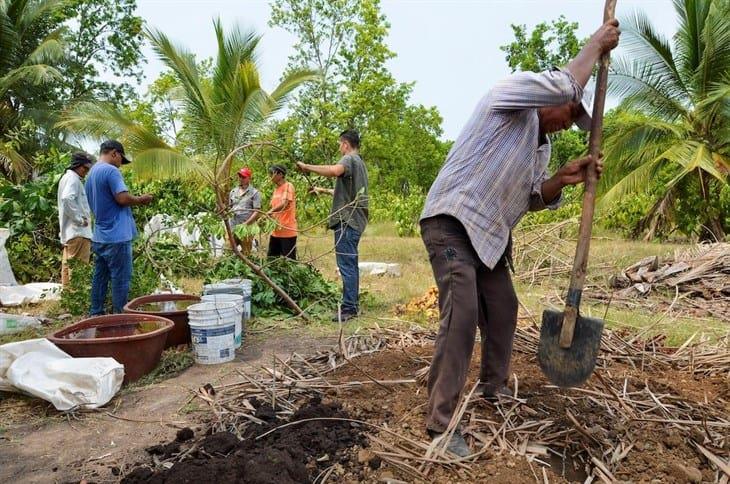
(712, 227)
(255, 267)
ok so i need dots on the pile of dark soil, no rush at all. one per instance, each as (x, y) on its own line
(293, 454)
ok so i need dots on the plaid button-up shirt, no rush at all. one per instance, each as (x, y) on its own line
(494, 172)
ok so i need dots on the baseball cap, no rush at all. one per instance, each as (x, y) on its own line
(584, 121)
(245, 172)
(113, 144)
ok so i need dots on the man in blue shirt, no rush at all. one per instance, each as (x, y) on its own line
(114, 230)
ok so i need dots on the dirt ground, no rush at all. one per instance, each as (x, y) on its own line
(657, 452)
(657, 446)
(39, 445)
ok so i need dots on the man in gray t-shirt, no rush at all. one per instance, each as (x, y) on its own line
(245, 203)
(348, 217)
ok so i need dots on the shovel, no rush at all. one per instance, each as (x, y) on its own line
(569, 342)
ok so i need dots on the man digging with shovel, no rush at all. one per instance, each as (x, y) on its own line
(495, 173)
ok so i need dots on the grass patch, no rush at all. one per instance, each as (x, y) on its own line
(676, 329)
(379, 295)
(172, 363)
(190, 407)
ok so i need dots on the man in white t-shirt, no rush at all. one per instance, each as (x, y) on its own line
(74, 215)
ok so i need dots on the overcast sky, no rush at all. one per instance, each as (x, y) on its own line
(450, 48)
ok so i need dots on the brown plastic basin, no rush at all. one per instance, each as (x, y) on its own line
(180, 334)
(134, 340)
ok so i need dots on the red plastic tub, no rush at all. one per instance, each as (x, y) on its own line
(180, 334)
(134, 340)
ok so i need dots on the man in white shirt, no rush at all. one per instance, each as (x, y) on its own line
(74, 215)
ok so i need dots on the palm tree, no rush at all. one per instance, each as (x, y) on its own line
(222, 113)
(676, 99)
(25, 60)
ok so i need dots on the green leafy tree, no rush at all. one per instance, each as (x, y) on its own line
(104, 38)
(549, 45)
(223, 113)
(345, 39)
(28, 61)
(54, 53)
(676, 98)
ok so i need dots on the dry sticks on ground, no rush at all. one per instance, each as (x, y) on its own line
(701, 358)
(699, 276)
(694, 281)
(591, 429)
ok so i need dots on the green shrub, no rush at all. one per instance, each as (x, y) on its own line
(625, 215)
(168, 256)
(407, 211)
(404, 210)
(571, 207)
(29, 211)
(76, 296)
(304, 283)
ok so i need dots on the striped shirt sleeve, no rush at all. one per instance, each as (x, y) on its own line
(530, 90)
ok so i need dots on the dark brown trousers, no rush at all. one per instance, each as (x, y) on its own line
(470, 296)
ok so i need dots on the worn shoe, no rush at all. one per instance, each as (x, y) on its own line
(457, 444)
(493, 393)
(344, 316)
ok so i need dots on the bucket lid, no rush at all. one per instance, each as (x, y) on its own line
(223, 297)
(235, 280)
(212, 307)
(223, 288)
(208, 323)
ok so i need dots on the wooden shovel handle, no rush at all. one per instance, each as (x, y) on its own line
(578, 276)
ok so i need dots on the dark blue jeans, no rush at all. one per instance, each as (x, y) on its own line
(346, 242)
(111, 261)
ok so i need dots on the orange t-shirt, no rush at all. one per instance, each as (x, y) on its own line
(287, 219)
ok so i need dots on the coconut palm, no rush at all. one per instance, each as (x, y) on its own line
(222, 114)
(25, 60)
(676, 98)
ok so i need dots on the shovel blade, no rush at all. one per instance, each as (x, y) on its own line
(572, 366)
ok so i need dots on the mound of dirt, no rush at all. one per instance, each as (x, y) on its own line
(650, 451)
(292, 454)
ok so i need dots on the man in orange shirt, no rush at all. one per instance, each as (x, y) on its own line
(283, 241)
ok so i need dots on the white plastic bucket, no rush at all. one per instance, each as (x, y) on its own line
(247, 286)
(235, 299)
(243, 287)
(213, 331)
(221, 311)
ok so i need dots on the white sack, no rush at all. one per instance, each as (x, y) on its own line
(32, 293)
(40, 368)
(379, 269)
(186, 229)
(6, 271)
(15, 323)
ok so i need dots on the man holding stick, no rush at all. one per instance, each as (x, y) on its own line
(348, 217)
(496, 172)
